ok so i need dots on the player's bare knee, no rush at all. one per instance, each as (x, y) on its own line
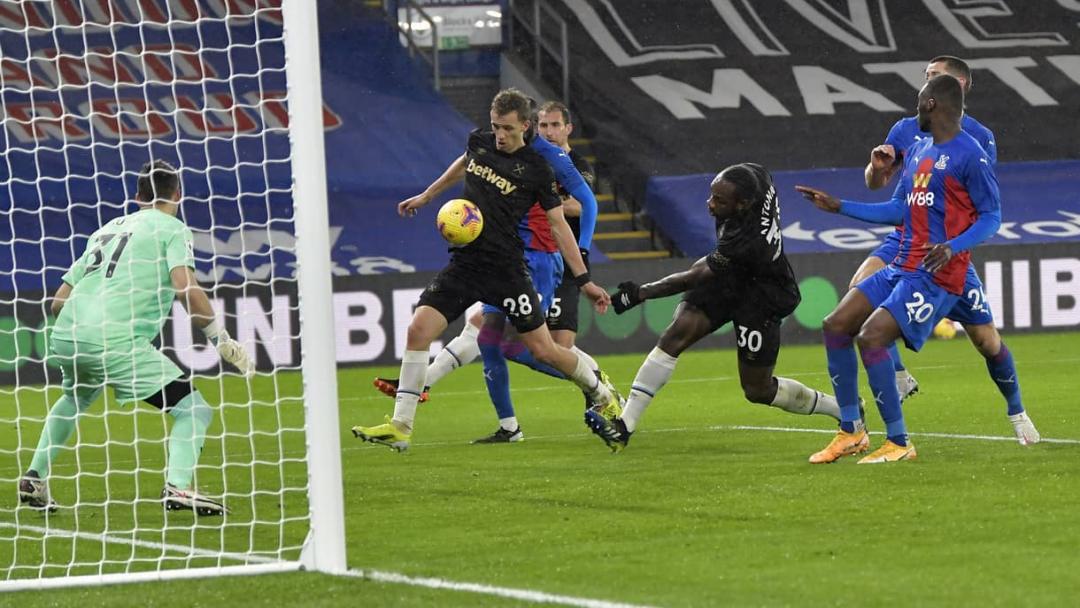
(835, 323)
(871, 337)
(985, 338)
(672, 343)
(418, 335)
(757, 392)
(546, 352)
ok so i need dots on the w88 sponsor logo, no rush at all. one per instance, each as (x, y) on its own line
(920, 199)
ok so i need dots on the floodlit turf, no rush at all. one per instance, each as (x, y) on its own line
(697, 511)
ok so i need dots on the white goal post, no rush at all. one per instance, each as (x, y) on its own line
(203, 84)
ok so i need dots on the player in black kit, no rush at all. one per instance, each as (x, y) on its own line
(504, 178)
(746, 280)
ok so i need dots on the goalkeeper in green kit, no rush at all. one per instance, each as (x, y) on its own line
(110, 307)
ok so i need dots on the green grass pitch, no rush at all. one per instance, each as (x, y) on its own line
(713, 503)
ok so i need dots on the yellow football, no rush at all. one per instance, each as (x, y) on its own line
(460, 222)
(945, 330)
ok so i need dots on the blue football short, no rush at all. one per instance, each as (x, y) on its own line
(972, 308)
(546, 270)
(886, 252)
(912, 298)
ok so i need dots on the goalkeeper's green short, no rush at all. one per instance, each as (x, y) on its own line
(135, 370)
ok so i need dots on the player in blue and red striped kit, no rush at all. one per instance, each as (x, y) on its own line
(972, 311)
(948, 202)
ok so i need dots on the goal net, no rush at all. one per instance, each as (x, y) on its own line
(227, 91)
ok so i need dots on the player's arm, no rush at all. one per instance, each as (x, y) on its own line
(631, 294)
(453, 174)
(889, 213)
(193, 298)
(982, 187)
(881, 168)
(179, 255)
(73, 276)
(571, 207)
(564, 237)
(570, 178)
(885, 159)
(60, 297)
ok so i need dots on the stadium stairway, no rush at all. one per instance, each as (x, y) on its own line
(623, 232)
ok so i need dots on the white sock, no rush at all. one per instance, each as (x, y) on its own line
(587, 381)
(410, 383)
(793, 396)
(588, 359)
(510, 424)
(651, 377)
(462, 350)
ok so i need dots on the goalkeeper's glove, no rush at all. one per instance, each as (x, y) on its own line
(229, 349)
(626, 298)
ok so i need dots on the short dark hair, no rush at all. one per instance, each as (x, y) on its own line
(948, 93)
(157, 180)
(751, 180)
(957, 67)
(557, 106)
(512, 100)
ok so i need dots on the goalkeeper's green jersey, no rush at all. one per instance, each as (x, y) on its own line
(122, 290)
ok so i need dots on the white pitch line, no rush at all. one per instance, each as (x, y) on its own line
(526, 595)
(145, 544)
(784, 429)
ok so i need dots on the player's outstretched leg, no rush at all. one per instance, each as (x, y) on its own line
(689, 325)
(653, 374)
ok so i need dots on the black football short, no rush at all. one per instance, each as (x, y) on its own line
(757, 329)
(563, 313)
(507, 286)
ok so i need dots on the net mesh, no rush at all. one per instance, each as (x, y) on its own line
(90, 90)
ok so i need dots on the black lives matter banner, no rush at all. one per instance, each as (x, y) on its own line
(1029, 288)
(685, 87)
